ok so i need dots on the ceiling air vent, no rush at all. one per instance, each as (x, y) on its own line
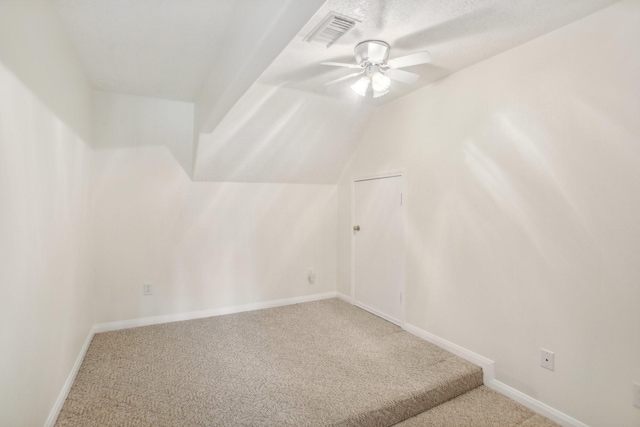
(330, 29)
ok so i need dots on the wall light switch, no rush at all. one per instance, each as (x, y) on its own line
(147, 289)
(546, 359)
(636, 394)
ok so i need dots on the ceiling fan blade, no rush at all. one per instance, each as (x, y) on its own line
(402, 76)
(410, 60)
(341, 64)
(343, 78)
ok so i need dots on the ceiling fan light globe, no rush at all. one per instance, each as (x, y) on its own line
(361, 86)
(380, 82)
(378, 94)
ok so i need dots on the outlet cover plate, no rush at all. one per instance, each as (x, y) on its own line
(547, 359)
(147, 289)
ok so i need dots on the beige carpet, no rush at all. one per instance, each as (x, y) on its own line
(319, 363)
(480, 407)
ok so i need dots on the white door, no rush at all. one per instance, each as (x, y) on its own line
(377, 232)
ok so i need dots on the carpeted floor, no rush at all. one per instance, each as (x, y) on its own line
(319, 363)
(480, 407)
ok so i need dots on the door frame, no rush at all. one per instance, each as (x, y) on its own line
(402, 175)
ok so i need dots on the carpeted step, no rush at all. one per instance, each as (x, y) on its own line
(480, 407)
(318, 363)
(446, 380)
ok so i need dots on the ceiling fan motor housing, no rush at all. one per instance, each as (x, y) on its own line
(371, 51)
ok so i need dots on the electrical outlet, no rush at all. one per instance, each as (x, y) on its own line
(147, 289)
(636, 394)
(546, 359)
(311, 276)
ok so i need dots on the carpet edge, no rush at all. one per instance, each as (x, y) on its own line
(66, 388)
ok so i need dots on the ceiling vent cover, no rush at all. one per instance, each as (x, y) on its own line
(330, 29)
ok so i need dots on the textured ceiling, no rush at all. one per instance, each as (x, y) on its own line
(289, 127)
(456, 33)
(167, 48)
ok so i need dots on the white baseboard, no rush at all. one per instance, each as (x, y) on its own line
(535, 405)
(155, 320)
(344, 297)
(378, 313)
(487, 366)
(55, 411)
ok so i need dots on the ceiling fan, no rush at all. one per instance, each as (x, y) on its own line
(376, 70)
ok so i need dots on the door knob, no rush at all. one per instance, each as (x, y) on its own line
(356, 228)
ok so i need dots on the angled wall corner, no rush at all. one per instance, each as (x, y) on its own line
(128, 121)
(270, 26)
(36, 49)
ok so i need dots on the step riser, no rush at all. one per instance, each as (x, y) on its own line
(480, 407)
(401, 410)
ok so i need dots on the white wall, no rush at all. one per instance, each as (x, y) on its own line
(35, 48)
(137, 121)
(203, 245)
(45, 169)
(522, 208)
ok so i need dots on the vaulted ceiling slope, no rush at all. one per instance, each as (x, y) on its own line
(168, 48)
(258, 87)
